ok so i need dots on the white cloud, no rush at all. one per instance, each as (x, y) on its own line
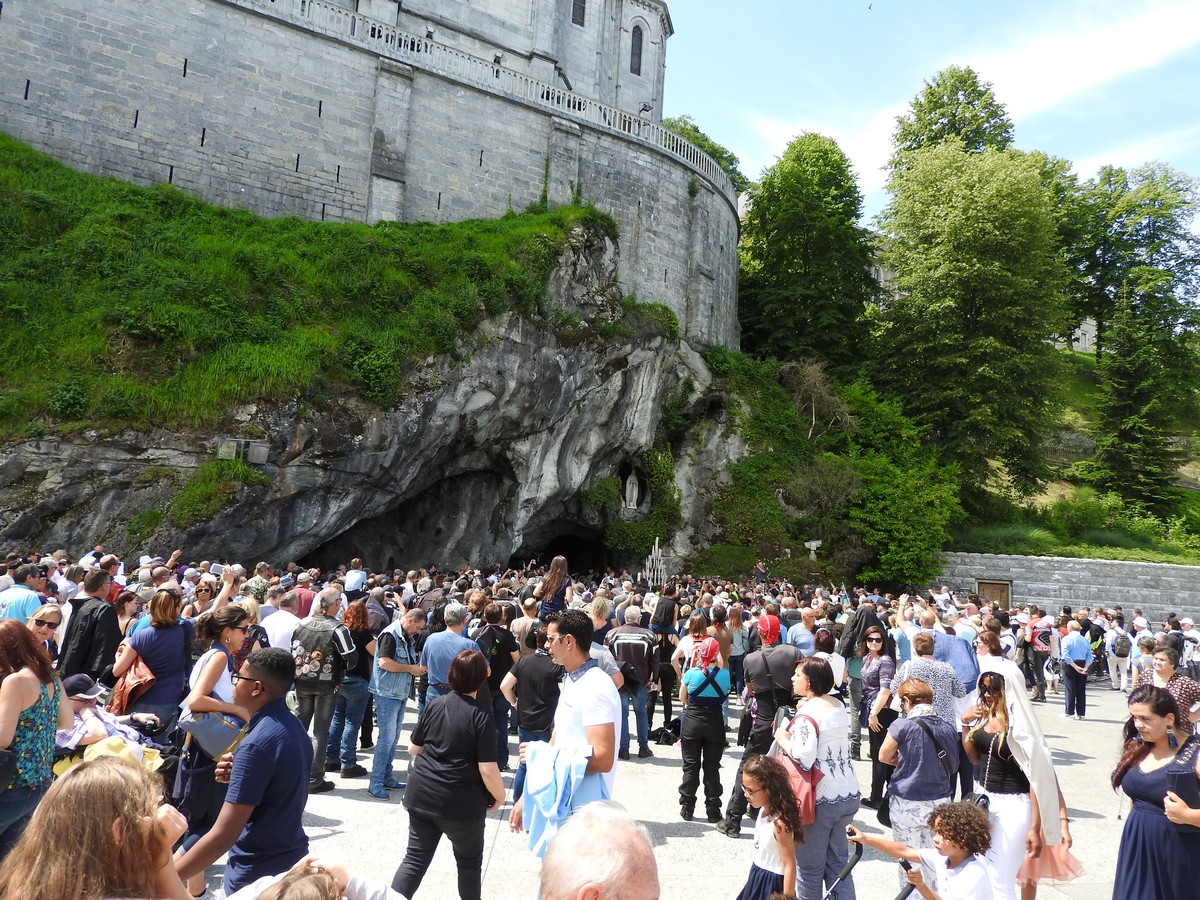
(1134, 153)
(1040, 73)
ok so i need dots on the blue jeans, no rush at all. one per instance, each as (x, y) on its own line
(524, 736)
(500, 710)
(347, 719)
(825, 851)
(638, 698)
(737, 674)
(16, 807)
(389, 716)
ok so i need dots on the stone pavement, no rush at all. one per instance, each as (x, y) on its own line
(696, 860)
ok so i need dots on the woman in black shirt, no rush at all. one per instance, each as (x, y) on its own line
(453, 780)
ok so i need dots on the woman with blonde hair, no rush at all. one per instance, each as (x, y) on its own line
(166, 648)
(556, 591)
(44, 623)
(100, 833)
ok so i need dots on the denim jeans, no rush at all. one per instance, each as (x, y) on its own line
(315, 707)
(389, 716)
(348, 712)
(737, 673)
(16, 807)
(524, 736)
(500, 711)
(638, 698)
(825, 851)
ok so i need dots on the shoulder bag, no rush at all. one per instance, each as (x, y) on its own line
(884, 813)
(129, 687)
(1181, 778)
(803, 781)
(212, 732)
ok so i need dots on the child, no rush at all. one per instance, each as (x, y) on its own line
(961, 835)
(776, 831)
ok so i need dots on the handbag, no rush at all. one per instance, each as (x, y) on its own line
(129, 687)
(8, 768)
(1181, 779)
(803, 781)
(214, 732)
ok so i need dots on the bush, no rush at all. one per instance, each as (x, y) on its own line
(68, 399)
(144, 523)
(665, 513)
(210, 489)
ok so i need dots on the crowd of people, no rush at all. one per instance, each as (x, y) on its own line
(229, 687)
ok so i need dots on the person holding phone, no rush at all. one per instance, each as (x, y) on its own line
(1159, 770)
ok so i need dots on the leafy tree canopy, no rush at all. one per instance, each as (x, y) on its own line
(806, 263)
(955, 103)
(725, 158)
(964, 343)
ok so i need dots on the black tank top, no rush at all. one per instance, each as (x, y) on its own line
(998, 771)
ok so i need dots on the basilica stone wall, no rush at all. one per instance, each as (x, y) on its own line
(305, 108)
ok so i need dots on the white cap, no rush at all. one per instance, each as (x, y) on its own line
(1186, 622)
(1140, 622)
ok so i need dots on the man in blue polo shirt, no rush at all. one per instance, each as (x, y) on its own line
(260, 822)
(441, 648)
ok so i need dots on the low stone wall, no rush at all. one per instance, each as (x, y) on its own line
(1057, 581)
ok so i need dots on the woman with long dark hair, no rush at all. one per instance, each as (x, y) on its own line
(555, 592)
(1159, 855)
(453, 780)
(32, 705)
(878, 669)
(219, 633)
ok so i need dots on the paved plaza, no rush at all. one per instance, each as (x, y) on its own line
(694, 860)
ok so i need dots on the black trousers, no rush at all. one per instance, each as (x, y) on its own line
(881, 773)
(703, 744)
(1075, 686)
(759, 742)
(425, 830)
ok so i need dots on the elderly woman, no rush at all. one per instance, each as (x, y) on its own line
(453, 780)
(819, 737)
(924, 751)
(1162, 673)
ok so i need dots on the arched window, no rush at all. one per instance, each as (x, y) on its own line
(578, 9)
(635, 51)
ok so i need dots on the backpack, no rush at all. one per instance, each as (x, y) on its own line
(1121, 645)
(317, 658)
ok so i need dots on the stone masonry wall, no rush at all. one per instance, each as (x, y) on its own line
(247, 110)
(1055, 581)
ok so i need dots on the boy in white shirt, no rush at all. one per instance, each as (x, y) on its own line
(961, 835)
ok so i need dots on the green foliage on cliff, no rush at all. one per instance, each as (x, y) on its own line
(209, 490)
(143, 304)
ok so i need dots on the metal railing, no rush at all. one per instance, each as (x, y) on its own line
(427, 54)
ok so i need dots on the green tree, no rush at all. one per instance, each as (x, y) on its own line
(964, 342)
(725, 158)
(1139, 219)
(955, 103)
(1134, 456)
(806, 264)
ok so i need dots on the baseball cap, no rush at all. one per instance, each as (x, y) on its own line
(81, 687)
(1186, 622)
(1140, 622)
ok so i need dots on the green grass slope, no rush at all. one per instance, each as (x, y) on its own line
(125, 304)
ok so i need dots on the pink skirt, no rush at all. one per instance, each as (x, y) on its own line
(1055, 863)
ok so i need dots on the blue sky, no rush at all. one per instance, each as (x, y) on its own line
(1100, 82)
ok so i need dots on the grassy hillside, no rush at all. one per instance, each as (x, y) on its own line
(127, 304)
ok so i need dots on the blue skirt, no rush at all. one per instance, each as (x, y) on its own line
(761, 884)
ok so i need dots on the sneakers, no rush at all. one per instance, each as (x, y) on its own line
(332, 765)
(393, 785)
(320, 787)
(622, 754)
(644, 753)
(730, 829)
(354, 771)
(379, 793)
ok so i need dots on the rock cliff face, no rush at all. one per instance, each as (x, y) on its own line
(483, 460)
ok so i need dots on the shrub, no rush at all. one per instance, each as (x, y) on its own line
(210, 489)
(68, 399)
(144, 523)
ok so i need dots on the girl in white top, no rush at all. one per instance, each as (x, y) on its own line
(773, 865)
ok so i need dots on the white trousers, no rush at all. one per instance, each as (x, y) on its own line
(1011, 816)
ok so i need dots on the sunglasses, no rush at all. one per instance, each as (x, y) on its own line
(874, 640)
(42, 623)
